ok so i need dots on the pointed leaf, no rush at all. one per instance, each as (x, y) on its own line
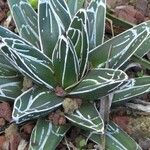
(10, 87)
(116, 139)
(5, 33)
(96, 17)
(5, 64)
(78, 34)
(25, 19)
(133, 88)
(65, 62)
(62, 10)
(47, 136)
(50, 26)
(10, 81)
(74, 5)
(29, 61)
(98, 83)
(121, 47)
(144, 48)
(87, 117)
(33, 103)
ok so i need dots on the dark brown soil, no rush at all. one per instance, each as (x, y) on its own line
(3, 11)
(133, 11)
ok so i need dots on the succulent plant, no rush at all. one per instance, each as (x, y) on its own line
(60, 63)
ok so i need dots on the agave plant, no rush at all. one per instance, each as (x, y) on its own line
(60, 51)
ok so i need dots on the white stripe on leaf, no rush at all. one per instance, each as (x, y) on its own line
(65, 61)
(99, 83)
(96, 18)
(34, 102)
(122, 47)
(88, 118)
(43, 132)
(78, 34)
(133, 88)
(25, 19)
(50, 26)
(35, 65)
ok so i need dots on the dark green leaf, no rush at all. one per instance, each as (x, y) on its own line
(65, 61)
(10, 81)
(96, 17)
(121, 47)
(87, 117)
(4, 63)
(7, 34)
(47, 136)
(50, 26)
(116, 139)
(29, 61)
(74, 5)
(33, 103)
(98, 83)
(133, 88)
(25, 18)
(61, 9)
(144, 48)
(79, 36)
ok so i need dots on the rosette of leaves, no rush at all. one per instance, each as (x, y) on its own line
(61, 49)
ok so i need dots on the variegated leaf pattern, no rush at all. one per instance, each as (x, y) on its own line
(96, 17)
(12, 57)
(116, 139)
(10, 87)
(78, 34)
(5, 33)
(33, 103)
(47, 136)
(10, 81)
(74, 5)
(87, 117)
(65, 61)
(25, 19)
(34, 67)
(144, 48)
(99, 82)
(62, 10)
(121, 47)
(50, 26)
(4, 63)
(133, 88)
(27, 59)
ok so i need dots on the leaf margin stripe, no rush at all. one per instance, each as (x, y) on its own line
(27, 114)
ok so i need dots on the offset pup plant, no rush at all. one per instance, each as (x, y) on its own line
(61, 52)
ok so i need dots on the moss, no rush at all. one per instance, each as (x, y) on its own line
(27, 83)
(70, 105)
(140, 127)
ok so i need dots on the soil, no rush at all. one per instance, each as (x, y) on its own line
(3, 11)
(133, 11)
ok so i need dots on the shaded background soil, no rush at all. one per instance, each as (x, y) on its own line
(134, 11)
(3, 11)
